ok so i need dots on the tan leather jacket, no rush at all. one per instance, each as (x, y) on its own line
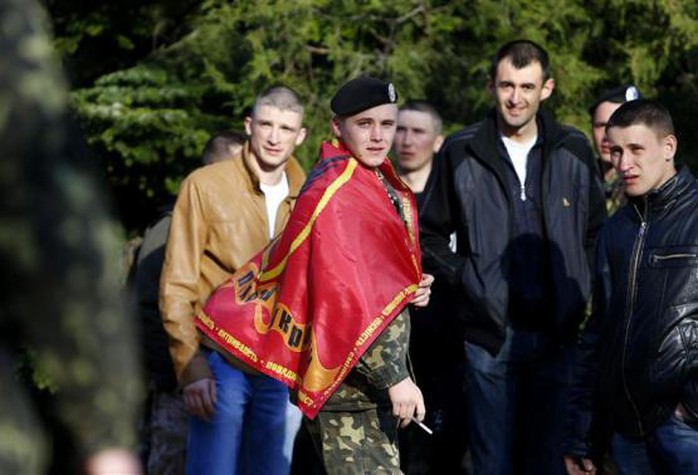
(219, 222)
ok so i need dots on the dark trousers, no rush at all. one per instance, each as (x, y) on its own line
(672, 449)
(516, 405)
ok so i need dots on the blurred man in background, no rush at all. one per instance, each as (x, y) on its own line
(60, 297)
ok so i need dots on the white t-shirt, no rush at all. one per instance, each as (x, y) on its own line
(273, 196)
(518, 153)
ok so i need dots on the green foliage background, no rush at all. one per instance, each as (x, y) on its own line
(153, 79)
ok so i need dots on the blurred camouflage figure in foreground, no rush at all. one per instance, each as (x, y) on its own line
(59, 297)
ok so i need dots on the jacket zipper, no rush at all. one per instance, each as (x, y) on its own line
(632, 293)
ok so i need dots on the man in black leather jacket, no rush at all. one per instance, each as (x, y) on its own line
(524, 197)
(637, 360)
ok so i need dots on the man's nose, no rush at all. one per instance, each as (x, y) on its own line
(515, 95)
(623, 163)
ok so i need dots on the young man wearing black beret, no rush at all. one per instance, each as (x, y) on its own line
(356, 429)
(324, 307)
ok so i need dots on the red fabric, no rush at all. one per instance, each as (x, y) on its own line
(307, 307)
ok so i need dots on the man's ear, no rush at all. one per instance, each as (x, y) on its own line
(438, 142)
(302, 133)
(336, 129)
(670, 145)
(248, 125)
(491, 87)
(548, 87)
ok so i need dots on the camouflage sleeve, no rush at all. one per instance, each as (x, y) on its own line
(60, 295)
(385, 362)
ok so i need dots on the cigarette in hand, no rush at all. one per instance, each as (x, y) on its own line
(425, 428)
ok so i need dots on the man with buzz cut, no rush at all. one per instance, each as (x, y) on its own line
(524, 197)
(637, 359)
(225, 213)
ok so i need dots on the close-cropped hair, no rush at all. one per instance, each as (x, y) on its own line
(646, 112)
(281, 97)
(521, 53)
(218, 147)
(425, 107)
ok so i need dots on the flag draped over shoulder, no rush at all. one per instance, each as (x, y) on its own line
(307, 307)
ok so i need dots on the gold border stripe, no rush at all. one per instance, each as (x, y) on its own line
(305, 232)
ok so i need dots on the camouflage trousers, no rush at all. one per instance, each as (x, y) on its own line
(164, 434)
(356, 443)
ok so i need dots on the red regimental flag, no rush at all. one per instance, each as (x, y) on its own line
(307, 307)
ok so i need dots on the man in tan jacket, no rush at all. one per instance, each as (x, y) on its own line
(226, 213)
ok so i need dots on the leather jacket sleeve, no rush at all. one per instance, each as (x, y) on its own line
(690, 392)
(179, 296)
(583, 433)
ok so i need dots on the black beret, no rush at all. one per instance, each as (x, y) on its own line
(362, 93)
(617, 95)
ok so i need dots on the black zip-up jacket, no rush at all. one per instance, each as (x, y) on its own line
(638, 356)
(469, 197)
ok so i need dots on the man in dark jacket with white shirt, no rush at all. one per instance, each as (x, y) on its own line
(525, 199)
(637, 366)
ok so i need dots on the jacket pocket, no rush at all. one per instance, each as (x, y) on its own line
(677, 256)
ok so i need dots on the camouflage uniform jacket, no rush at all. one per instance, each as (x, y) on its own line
(383, 365)
(615, 193)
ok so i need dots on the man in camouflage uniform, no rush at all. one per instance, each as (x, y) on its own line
(356, 429)
(59, 298)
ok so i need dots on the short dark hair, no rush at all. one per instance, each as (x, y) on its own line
(648, 112)
(427, 108)
(218, 147)
(522, 53)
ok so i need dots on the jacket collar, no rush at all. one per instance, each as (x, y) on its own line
(484, 142)
(658, 201)
(294, 172)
